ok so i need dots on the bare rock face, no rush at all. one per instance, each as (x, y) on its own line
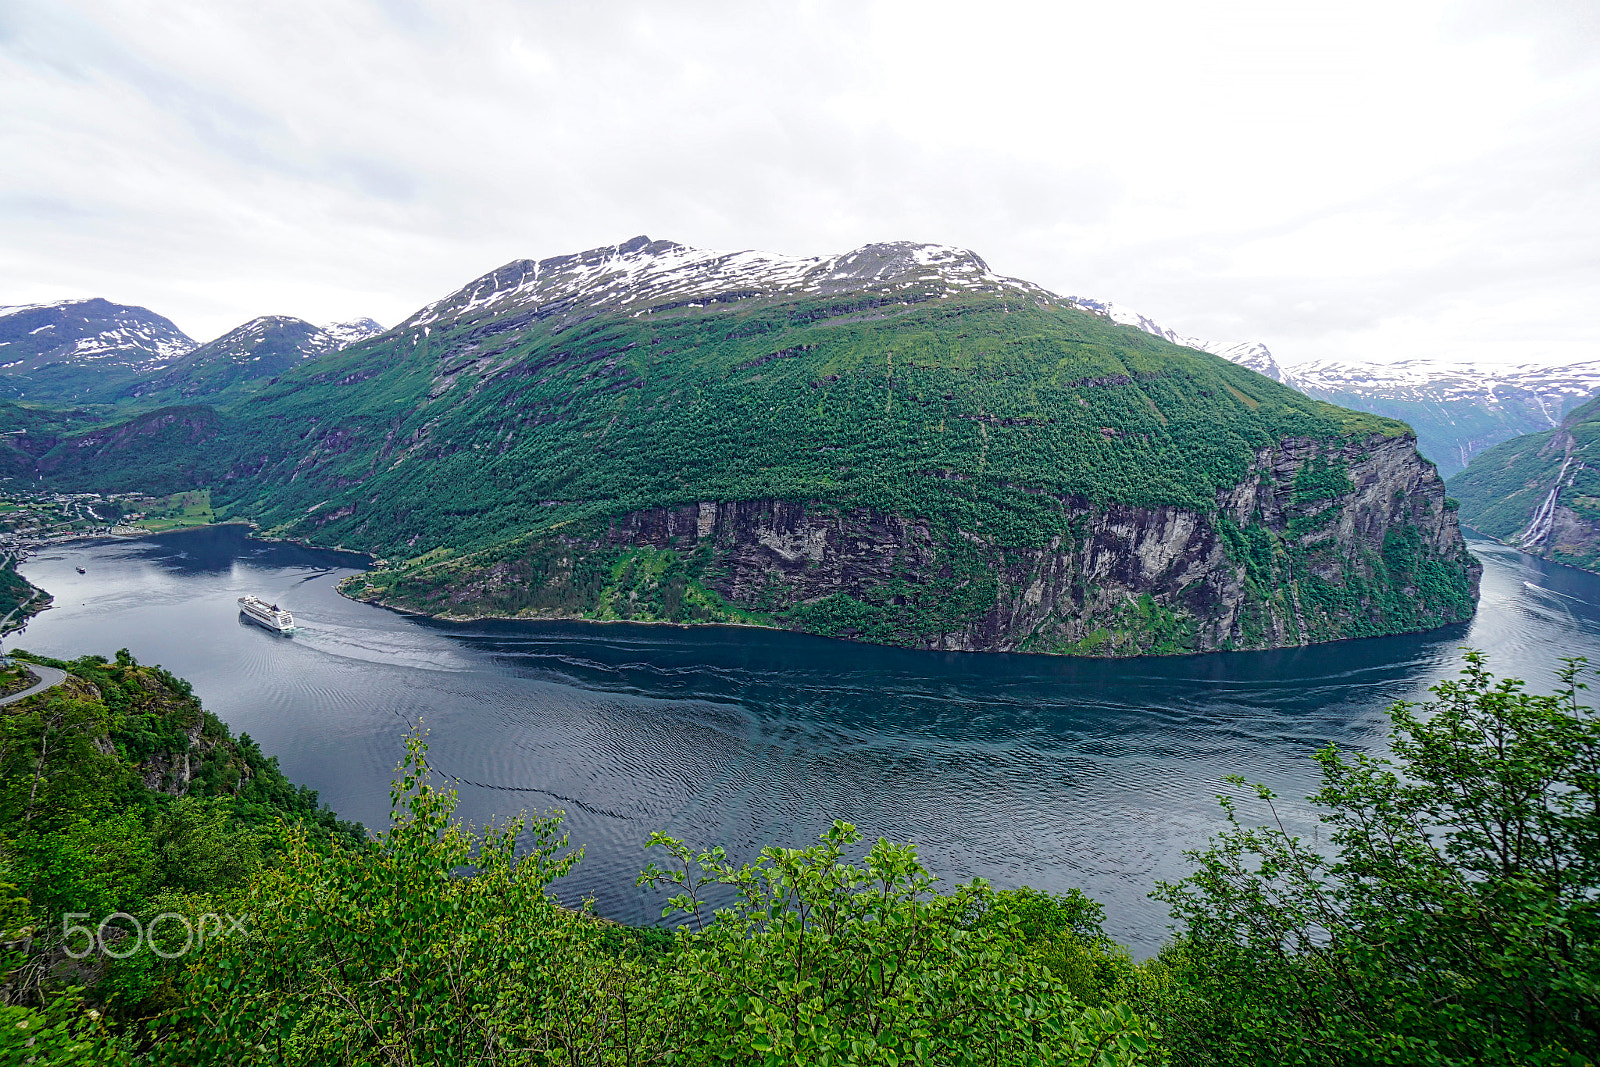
(1321, 541)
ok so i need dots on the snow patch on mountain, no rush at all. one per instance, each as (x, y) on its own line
(1552, 389)
(646, 277)
(93, 333)
(345, 334)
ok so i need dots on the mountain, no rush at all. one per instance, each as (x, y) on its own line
(82, 351)
(248, 355)
(895, 444)
(344, 334)
(96, 352)
(1541, 491)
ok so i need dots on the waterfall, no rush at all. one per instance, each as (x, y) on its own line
(1544, 518)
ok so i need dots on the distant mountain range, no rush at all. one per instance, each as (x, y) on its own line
(75, 352)
(1458, 410)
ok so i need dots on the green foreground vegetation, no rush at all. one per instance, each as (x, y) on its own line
(1449, 917)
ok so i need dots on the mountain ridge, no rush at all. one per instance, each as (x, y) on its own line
(644, 276)
(248, 355)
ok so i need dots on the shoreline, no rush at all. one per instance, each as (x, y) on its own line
(14, 623)
(340, 589)
(467, 619)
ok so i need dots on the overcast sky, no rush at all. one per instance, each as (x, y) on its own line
(1368, 181)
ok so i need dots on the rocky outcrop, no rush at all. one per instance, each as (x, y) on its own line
(170, 743)
(1322, 540)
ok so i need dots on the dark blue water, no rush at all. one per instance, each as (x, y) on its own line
(1022, 769)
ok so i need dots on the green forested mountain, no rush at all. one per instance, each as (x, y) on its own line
(1541, 491)
(894, 444)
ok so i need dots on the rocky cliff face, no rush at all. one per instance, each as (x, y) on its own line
(189, 739)
(1320, 541)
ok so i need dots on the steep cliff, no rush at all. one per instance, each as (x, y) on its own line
(1321, 541)
(1542, 491)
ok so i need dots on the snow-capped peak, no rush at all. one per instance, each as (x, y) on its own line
(348, 333)
(93, 331)
(645, 276)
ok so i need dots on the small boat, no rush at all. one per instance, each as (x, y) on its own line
(82, 571)
(261, 613)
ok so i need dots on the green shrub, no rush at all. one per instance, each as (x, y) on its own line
(1451, 919)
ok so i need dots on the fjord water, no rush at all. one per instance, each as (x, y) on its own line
(1030, 770)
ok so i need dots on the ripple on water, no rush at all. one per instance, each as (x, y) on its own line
(1050, 772)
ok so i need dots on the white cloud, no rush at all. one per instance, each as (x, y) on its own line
(1360, 180)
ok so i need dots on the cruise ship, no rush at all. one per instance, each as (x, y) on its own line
(271, 616)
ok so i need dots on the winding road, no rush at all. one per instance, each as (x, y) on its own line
(48, 676)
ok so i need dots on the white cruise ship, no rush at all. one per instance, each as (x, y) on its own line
(271, 616)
